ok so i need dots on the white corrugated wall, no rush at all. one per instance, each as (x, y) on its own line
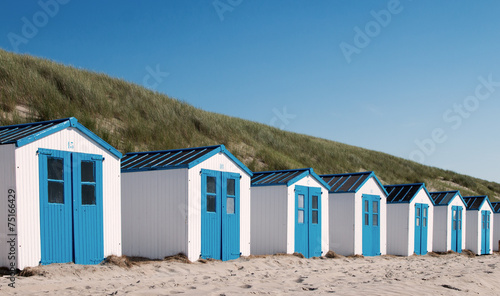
(218, 162)
(269, 220)
(28, 193)
(496, 231)
(325, 233)
(342, 226)
(423, 198)
(154, 211)
(7, 181)
(370, 187)
(398, 224)
(442, 235)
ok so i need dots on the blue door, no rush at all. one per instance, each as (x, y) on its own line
(220, 219)
(371, 225)
(421, 216)
(71, 222)
(456, 229)
(308, 221)
(485, 232)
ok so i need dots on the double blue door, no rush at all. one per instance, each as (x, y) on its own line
(421, 221)
(371, 225)
(71, 219)
(220, 218)
(485, 232)
(456, 229)
(308, 221)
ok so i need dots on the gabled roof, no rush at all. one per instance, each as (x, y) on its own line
(284, 177)
(174, 159)
(496, 207)
(350, 182)
(404, 193)
(476, 202)
(444, 198)
(23, 134)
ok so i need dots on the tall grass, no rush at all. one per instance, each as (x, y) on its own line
(132, 118)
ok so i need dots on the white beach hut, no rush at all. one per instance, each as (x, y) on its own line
(479, 225)
(61, 195)
(409, 219)
(496, 226)
(449, 221)
(289, 213)
(357, 211)
(194, 201)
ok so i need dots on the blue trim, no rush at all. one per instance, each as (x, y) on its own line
(61, 124)
(449, 202)
(305, 173)
(422, 185)
(189, 165)
(370, 174)
(485, 197)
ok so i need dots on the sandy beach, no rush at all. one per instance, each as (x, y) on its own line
(450, 274)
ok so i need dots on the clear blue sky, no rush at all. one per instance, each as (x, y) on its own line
(376, 74)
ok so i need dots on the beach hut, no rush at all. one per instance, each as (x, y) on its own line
(289, 213)
(479, 225)
(357, 211)
(409, 219)
(496, 226)
(194, 201)
(449, 221)
(61, 189)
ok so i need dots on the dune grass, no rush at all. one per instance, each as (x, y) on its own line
(133, 118)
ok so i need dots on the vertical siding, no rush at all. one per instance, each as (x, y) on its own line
(218, 162)
(486, 207)
(370, 187)
(423, 198)
(325, 233)
(269, 220)
(342, 223)
(154, 210)
(442, 229)
(473, 236)
(496, 231)
(28, 193)
(7, 181)
(398, 224)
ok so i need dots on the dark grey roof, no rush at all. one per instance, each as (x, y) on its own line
(346, 182)
(496, 207)
(402, 193)
(475, 202)
(443, 198)
(12, 133)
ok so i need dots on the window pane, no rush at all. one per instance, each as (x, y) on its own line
(425, 212)
(454, 224)
(210, 184)
(230, 205)
(367, 205)
(301, 201)
(417, 222)
(230, 187)
(367, 219)
(55, 168)
(56, 192)
(375, 220)
(211, 203)
(460, 225)
(315, 217)
(454, 215)
(88, 194)
(418, 212)
(301, 217)
(375, 207)
(315, 202)
(88, 171)
(424, 221)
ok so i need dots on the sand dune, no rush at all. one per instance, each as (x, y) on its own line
(450, 274)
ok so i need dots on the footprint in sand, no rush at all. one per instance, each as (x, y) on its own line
(246, 286)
